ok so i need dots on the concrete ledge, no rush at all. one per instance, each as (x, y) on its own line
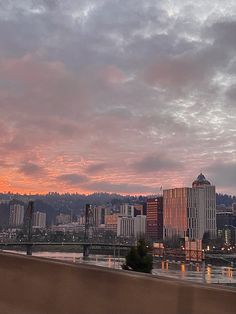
(31, 285)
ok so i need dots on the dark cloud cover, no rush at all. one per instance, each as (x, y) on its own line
(96, 168)
(223, 174)
(156, 163)
(120, 187)
(31, 169)
(72, 178)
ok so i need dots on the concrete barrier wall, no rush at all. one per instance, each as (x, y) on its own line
(31, 285)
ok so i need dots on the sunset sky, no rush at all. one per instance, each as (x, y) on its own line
(117, 95)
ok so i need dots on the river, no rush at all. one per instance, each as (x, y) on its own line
(191, 272)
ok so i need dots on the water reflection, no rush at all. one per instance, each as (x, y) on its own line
(193, 272)
(109, 262)
(228, 272)
(208, 274)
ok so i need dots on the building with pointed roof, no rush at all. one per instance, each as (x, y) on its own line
(190, 212)
(200, 181)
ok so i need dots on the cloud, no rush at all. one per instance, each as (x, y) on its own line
(72, 178)
(156, 163)
(125, 188)
(31, 169)
(96, 168)
(224, 33)
(223, 174)
(118, 92)
(231, 94)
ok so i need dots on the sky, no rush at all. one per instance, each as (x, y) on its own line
(117, 96)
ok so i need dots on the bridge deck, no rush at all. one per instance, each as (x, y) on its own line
(66, 243)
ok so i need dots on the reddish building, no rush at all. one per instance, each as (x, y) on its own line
(154, 228)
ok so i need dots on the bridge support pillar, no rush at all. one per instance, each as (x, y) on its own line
(85, 251)
(29, 249)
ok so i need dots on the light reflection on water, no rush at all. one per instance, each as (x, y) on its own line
(196, 272)
(179, 270)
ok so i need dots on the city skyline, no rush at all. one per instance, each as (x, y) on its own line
(96, 96)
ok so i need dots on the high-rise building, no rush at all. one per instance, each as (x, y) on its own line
(111, 222)
(95, 213)
(39, 219)
(224, 219)
(127, 210)
(62, 219)
(99, 213)
(234, 209)
(138, 209)
(190, 212)
(125, 227)
(222, 208)
(81, 220)
(154, 229)
(139, 226)
(17, 213)
(102, 215)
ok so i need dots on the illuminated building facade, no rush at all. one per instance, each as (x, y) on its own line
(111, 222)
(190, 212)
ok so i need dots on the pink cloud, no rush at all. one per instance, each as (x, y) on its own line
(111, 74)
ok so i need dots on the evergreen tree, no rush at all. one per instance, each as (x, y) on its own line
(139, 258)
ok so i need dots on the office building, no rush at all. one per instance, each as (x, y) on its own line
(72, 227)
(127, 210)
(111, 222)
(154, 225)
(125, 227)
(39, 219)
(139, 226)
(99, 213)
(225, 222)
(17, 213)
(190, 212)
(138, 209)
(224, 219)
(62, 219)
(234, 209)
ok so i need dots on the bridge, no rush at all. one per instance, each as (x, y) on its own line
(92, 244)
(86, 244)
(117, 248)
(89, 242)
(31, 285)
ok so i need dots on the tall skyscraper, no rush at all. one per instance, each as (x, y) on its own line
(17, 213)
(154, 229)
(190, 212)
